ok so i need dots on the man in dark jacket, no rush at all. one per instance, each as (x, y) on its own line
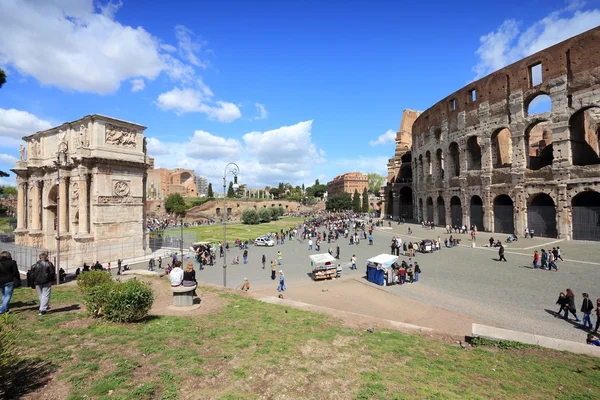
(501, 253)
(42, 275)
(8, 275)
(586, 308)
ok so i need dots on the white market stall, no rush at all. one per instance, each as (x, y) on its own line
(378, 266)
(323, 266)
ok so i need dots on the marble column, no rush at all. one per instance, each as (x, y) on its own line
(21, 205)
(83, 205)
(36, 206)
(63, 205)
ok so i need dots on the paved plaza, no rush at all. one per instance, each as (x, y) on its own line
(457, 282)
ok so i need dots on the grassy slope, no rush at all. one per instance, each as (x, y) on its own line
(253, 350)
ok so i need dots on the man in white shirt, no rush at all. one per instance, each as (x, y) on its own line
(176, 275)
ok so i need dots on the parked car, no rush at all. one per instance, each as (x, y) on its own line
(264, 241)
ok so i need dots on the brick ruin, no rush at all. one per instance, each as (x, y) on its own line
(517, 149)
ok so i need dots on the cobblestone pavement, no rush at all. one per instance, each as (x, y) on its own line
(463, 280)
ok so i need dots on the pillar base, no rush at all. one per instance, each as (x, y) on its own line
(83, 237)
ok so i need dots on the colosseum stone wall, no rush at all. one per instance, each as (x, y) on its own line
(490, 156)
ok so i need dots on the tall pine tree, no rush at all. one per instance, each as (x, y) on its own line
(365, 201)
(210, 193)
(230, 191)
(356, 201)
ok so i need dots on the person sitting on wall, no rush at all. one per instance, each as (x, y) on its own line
(176, 275)
(86, 268)
(62, 274)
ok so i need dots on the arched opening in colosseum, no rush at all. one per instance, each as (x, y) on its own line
(541, 215)
(454, 159)
(476, 212)
(586, 216)
(420, 210)
(429, 203)
(428, 162)
(542, 103)
(501, 148)
(584, 131)
(504, 220)
(456, 211)
(440, 162)
(474, 153)
(406, 203)
(538, 145)
(441, 211)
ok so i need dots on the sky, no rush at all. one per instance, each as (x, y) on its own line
(291, 91)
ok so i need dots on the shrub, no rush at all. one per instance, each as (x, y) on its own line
(128, 301)
(250, 217)
(274, 213)
(7, 353)
(91, 279)
(95, 297)
(264, 214)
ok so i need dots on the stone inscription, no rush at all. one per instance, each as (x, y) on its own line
(119, 136)
(118, 200)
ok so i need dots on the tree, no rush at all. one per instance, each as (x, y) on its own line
(274, 211)
(210, 191)
(8, 190)
(375, 182)
(175, 204)
(2, 77)
(264, 215)
(276, 192)
(356, 207)
(341, 201)
(365, 201)
(250, 217)
(230, 191)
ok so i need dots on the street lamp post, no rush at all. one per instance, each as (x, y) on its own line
(181, 244)
(234, 171)
(62, 158)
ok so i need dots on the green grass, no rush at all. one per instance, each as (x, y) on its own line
(237, 230)
(251, 349)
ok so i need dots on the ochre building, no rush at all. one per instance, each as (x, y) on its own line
(348, 183)
(162, 182)
(489, 155)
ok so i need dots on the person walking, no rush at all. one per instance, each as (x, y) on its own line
(281, 287)
(245, 255)
(279, 257)
(42, 275)
(544, 260)
(353, 262)
(501, 253)
(570, 306)
(337, 252)
(151, 264)
(551, 263)
(536, 259)
(264, 261)
(417, 272)
(310, 243)
(273, 269)
(597, 316)
(558, 254)
(9, 276)
(119, 265)
(586, 308)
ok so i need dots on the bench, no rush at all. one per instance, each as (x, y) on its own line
(183, 295)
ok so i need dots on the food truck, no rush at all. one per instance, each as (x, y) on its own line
(323, 266)
(379, 269)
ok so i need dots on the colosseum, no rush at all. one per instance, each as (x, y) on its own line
(517, 149)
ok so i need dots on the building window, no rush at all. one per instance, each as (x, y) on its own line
(535, 75)
(452, 104)
(472, 95)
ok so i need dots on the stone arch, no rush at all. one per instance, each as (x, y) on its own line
(586, 215)
(185, 176)
(476, 212)
(406, 202)
(501, 148)
(441, 211)
(504, 220)
(538, 145)
(405, 158)
(429, 203)
(453, 149)
(420, 210)
(584, 136)
(456, 211)
(537, 103)
(440, 162)
(541, 215)
(474, 153)
(428, 162)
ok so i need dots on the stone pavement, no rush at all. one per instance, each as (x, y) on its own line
(461, 281)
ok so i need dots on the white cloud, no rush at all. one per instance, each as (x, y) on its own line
(137, 85)
(285, 154)
(7, 158)
(198, 100)
(261, 110)
(388, 137)
(15, 123)
(188, 47)
(509, 43)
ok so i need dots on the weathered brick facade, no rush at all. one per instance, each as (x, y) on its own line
(482, 157)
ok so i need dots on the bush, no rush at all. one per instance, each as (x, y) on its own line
(95, 297)
(7, 353)
(91, 279)
(264, 215)
(128, 301)
(250, 217)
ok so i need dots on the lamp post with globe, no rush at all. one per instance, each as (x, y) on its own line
(234, 171)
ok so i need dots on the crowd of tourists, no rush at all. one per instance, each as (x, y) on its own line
(566, 303)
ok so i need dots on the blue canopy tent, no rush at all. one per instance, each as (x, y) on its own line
(377, 266)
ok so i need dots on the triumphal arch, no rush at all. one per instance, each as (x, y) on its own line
(81, 186)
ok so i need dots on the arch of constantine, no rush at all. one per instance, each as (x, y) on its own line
(100, 195)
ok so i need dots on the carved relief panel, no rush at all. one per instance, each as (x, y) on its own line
(119, 136)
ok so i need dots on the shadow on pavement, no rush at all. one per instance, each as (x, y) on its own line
(24, 377)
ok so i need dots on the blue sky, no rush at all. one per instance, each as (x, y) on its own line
(290, 90)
